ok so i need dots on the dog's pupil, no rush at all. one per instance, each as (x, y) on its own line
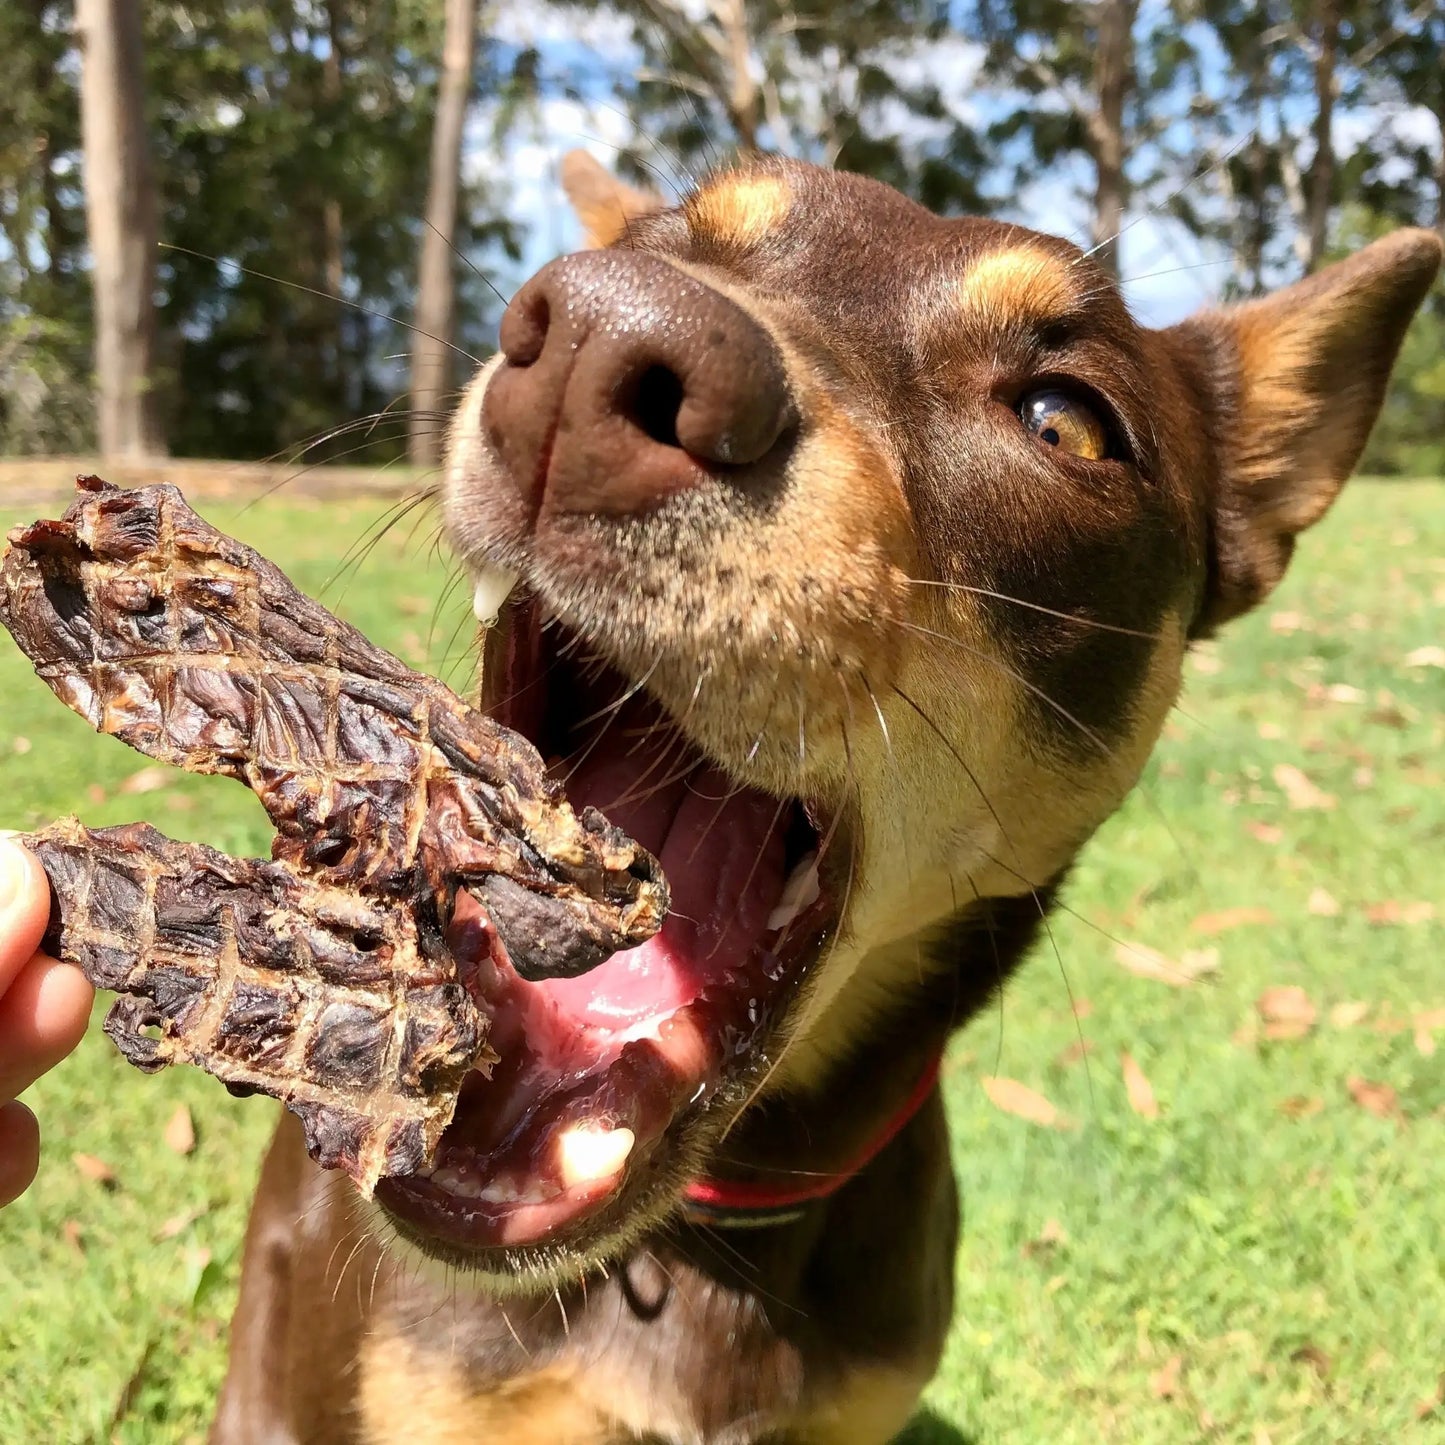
(1050, 435)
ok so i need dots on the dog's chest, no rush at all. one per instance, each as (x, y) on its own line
(653, 1353)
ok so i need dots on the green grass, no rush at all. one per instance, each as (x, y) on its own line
(1223, 1272)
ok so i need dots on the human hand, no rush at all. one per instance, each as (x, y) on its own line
(44, 1008)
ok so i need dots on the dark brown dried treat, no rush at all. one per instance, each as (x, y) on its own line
(323, 977)
(195, 650)
(341, 1006)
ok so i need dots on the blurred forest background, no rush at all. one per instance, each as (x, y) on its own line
(224, 224)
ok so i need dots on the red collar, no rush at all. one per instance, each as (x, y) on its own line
(739, 1205)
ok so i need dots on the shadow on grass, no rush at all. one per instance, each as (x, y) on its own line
(926, 1428)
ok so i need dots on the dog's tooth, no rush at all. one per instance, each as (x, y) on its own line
(591, 1151)
(448, 1178)
(492, 586)
(799, 892)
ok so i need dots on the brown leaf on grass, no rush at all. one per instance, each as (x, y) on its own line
(1164, 1382)
(95, 1170)
(21, 746)
(1430, 1018)
(1392, 911)
(1344, 692)
(96, 794)
(178, 1224)
(1049, 1238)
(1287, 1011)
(1299, 792)
(147, 780)
(1012, 1097)
(1300, 1106)
(1431, 655)
(1270, 833)
(1315, 1358)
(70, 1232)
(1432, 1404)
(1347, 1015)
(1288, 622)
(1138, 1087)
(1322, 903)
(1377, 1099)
(180, 1131)
(1082, 1008)
(1075, 1053)
(1221, 922)
(1146, 962)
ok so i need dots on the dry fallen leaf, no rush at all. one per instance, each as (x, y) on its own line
(1430, 1018)
(178, 1224)
(1287, 1011)
(1347, 1015)
(1299, 792)
(1343, 692)
(147, 780)
(180, 1131)
(1082, 1008)
(96, 794)
(1322, 903)
(1075, 1053)
(1048, 1239)
(1392, 911)
(1164, 1382)
(1227, 918)
(1431, 655)
(1300, 1106)
(1315, 1358)
(1146, 962)
(1378, 1099)
(21, 745)
(1265, 832)
(1287, 622)
(1138, 1087)
(96, 1170)
(1424, 1042)
(70, 1232)
(1018, 1099)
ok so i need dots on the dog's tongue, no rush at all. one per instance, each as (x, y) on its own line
(722, 851)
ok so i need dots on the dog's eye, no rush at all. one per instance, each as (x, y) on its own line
(1066, 422)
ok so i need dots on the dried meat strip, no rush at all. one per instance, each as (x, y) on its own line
(323, 977)
(346, 1008)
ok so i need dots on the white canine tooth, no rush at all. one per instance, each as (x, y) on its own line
(591, 1151)
(799, 892)
(493, 585)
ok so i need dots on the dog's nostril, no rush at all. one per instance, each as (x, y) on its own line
(656, 401)
(525, 325)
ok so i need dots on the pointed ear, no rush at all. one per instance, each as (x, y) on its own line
(1294, 383)
(604, 204)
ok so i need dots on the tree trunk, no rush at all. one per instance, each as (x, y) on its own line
(1322, 168)
(333, 265)
(1113, 85)
(742, 99)
(436, 280)
(120, 212)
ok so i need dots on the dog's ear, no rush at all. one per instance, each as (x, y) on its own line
(1293, 384)
(604, 204)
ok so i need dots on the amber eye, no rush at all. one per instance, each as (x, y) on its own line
(1064, 421)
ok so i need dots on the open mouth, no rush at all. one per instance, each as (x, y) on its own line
(598, 1074)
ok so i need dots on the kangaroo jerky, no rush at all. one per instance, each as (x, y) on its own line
(381, 782)
(340, 1005)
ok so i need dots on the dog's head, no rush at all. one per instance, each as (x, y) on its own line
(856, 553)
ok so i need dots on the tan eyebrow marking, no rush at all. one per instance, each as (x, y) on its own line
(1022, 284)
(740, 211)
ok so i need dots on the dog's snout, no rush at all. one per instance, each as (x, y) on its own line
(625, 380)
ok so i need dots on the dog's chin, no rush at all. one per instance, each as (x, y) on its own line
(609, 1086)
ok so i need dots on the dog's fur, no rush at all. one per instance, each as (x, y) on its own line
(977, 639)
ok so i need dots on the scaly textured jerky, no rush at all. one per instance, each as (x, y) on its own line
(346, 1008)
(382, 783)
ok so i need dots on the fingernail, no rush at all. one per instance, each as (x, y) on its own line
(14, 873)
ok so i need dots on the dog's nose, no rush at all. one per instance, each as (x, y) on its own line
(624, 381)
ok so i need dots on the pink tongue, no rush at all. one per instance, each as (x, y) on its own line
(722, 851)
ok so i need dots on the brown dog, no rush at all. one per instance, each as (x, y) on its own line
(857, 552)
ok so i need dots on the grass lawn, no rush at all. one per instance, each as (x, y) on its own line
(1264, 1261)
